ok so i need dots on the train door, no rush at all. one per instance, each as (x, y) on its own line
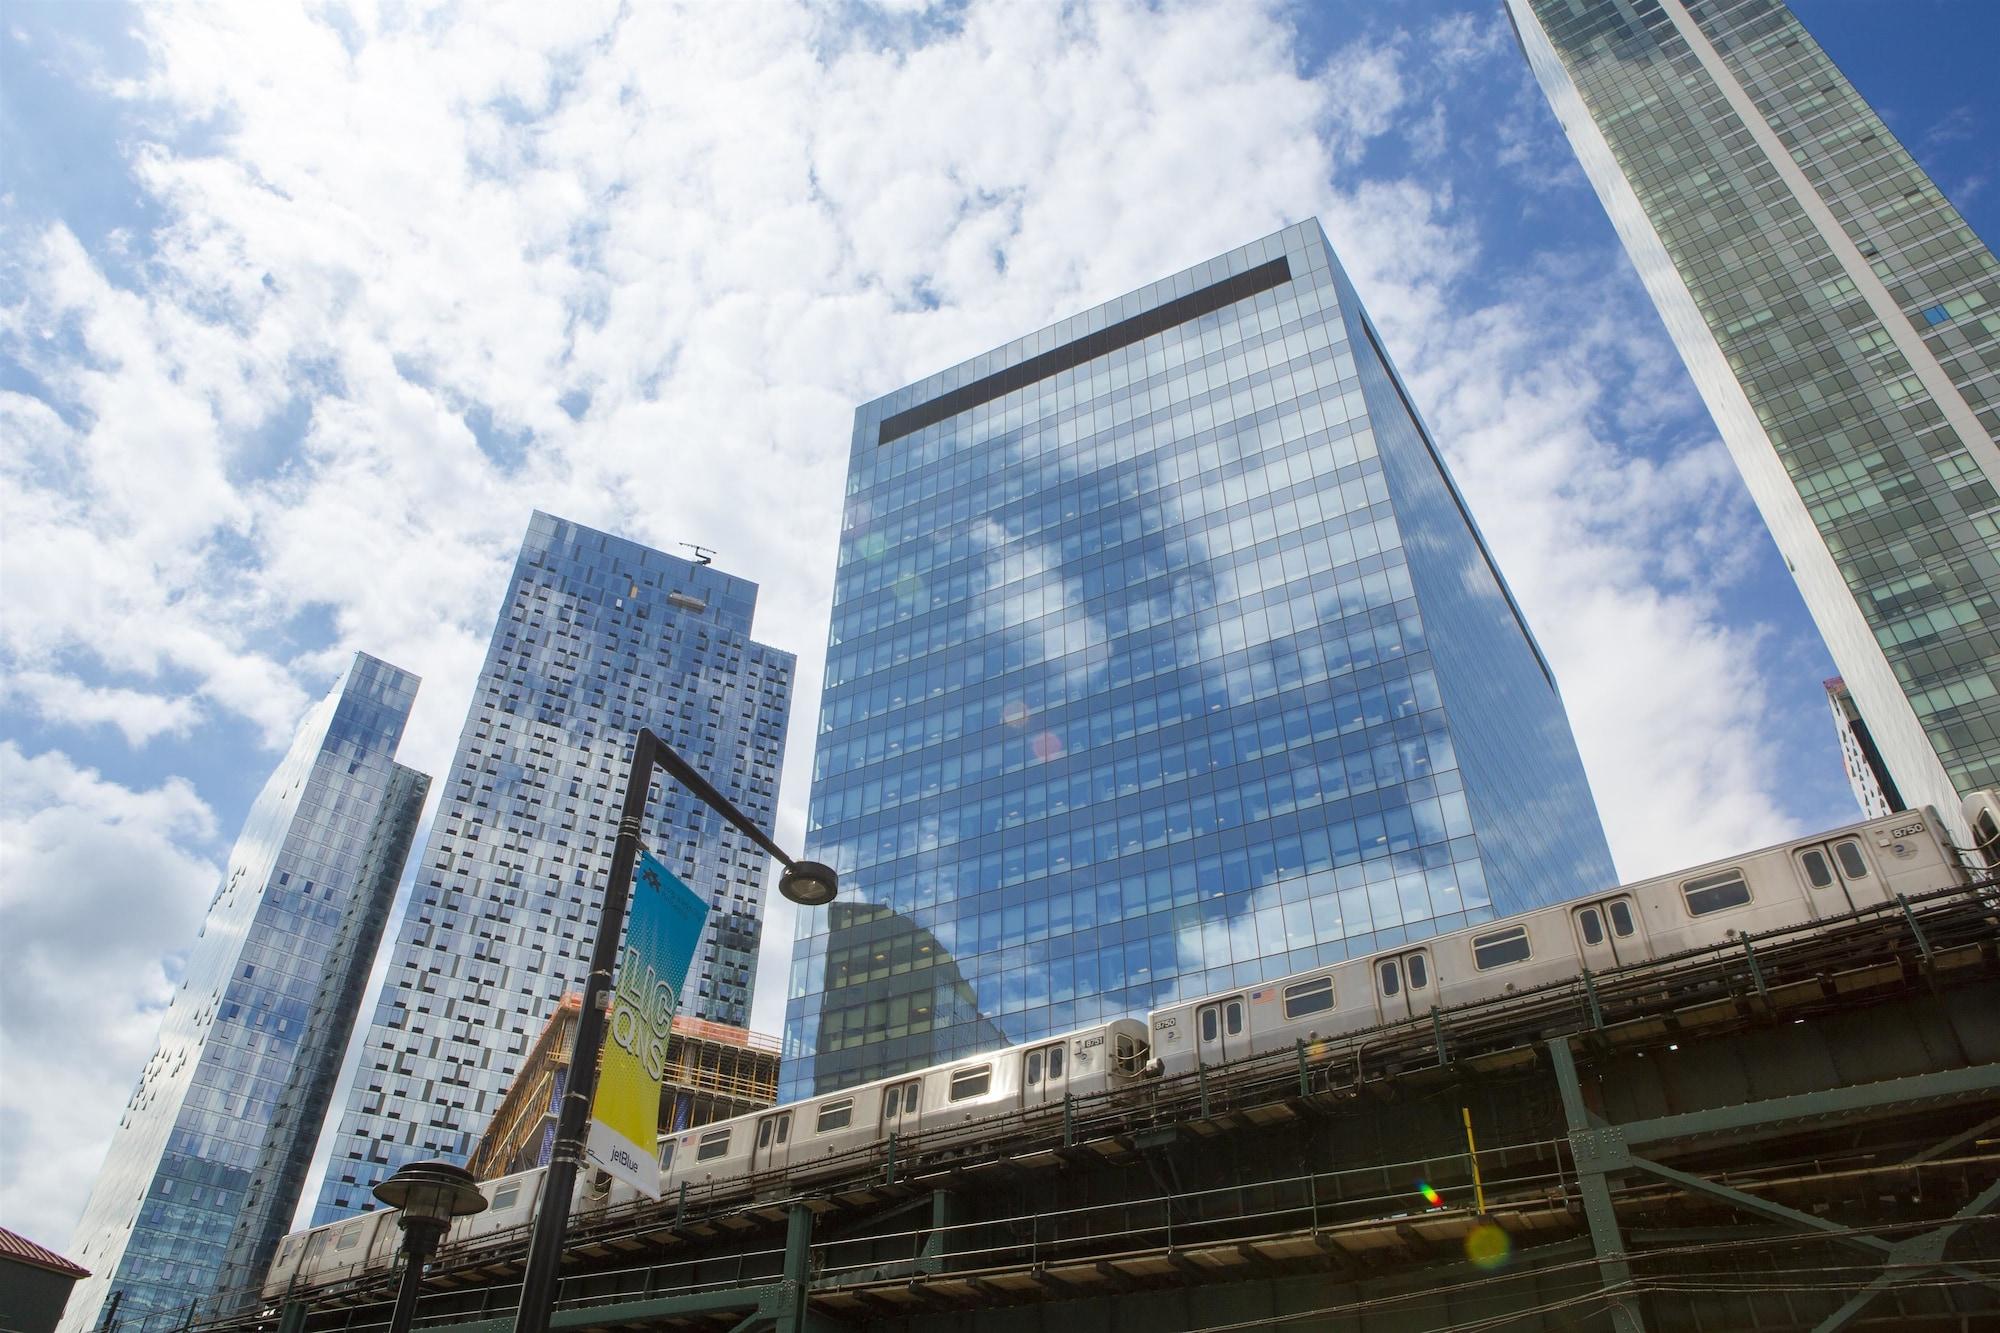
(773, 1144)
(1403, 984)
(1045, 1074)
(900, 1107)
(1837, 876)
(1607, 933)
(1218, 1030)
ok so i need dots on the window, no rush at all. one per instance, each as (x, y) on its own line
(350, 1239)
(1419, 972)
(1715, 893)
(1500, 948)
(1621, 918)
(1852, 863)
(1033, 1077)
(1232, 1017)
(712, 1146)
(1309, 997)
(506, 1196)
(1391, 982)
(1818, 873)
(667, 1155)
(1055, 1062)
(836, 1115)
(974, 1082)
(1592, 928)
(1211, 1023)
(764, 1128)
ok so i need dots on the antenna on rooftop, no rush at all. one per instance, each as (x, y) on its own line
(703, 555)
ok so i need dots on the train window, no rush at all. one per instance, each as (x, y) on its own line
(1034, 1074)
(1500, 948)
(1055, 1062)
(836, 1115)
(1309, 997)
(974, 1082)
(348, 1241)
(1852, 863)
(1390, 985)
(1592, 928)
(667, 1155)
(1818, 872)
(1621, 918)
(764, 1134)
(507, 1196)
(1232, 1017)
(784, 1127)
(1211, 1024)
(712, 1146)
(1714, 893)
(1419, 972)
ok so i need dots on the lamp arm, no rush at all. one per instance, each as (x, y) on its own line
(685, 774)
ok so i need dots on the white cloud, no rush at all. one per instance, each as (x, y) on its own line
(722, 229)
(96, 882)
(66, 701)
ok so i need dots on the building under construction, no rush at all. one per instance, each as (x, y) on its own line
(714, 1071)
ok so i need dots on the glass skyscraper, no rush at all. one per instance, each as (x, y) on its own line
(1165, 658)
(206, 1167)
(597, 637)
(1841, 322)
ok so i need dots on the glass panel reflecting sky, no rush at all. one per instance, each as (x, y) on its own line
(1159, 676)
(207, 1163)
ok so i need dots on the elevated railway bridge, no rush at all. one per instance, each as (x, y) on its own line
(1795, 1131)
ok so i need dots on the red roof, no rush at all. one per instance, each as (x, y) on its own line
(22, 1250)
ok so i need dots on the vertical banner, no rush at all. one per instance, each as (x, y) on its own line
(662, 931)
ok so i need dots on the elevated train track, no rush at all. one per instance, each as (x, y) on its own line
(1741, 1136)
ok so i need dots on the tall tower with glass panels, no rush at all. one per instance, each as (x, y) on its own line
(1841, 322)
(597, 637)
(1165, 658)
(207, 1164)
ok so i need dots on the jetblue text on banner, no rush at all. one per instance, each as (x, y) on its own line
(662, 931)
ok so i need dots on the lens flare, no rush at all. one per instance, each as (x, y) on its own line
(1431, 1196)
(1487, 1246)
(1014, 713)
(1048, 746)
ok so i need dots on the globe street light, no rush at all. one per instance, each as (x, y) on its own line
(428, 1196)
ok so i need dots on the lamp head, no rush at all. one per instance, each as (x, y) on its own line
(809, 883)
(433, 1192)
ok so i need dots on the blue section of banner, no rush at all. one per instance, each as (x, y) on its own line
(662, 931)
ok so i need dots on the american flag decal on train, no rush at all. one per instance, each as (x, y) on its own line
(1262, 996)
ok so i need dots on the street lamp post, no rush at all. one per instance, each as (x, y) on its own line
(428, 1196)
(808, 883)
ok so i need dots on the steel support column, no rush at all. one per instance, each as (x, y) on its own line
(1588, 1148)
(932, 1258)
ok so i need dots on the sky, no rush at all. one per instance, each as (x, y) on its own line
(302, 311)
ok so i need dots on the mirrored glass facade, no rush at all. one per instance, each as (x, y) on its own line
(1843, 325)
(1164, 659)
(205, 1169)
(597, 637)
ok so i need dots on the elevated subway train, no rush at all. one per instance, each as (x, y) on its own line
(1813, 878)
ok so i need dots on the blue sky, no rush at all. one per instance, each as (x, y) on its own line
(302, 311)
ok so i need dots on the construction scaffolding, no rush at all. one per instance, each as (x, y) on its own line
(714, 1072)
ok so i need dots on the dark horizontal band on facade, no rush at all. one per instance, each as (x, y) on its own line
(1087, 348)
